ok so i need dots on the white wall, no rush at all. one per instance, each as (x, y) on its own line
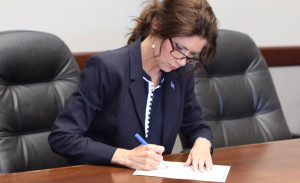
(97, 25)
(268, 22)
(287, 84)
(89, 25)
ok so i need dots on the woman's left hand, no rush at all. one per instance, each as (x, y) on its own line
(200, 157)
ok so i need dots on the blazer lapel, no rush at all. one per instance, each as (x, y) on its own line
(136, 75)
(139, 96)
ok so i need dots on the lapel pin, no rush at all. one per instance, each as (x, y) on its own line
(172, 85)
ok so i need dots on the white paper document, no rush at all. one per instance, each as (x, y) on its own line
(177, 170)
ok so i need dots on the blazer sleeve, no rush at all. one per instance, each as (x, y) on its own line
(193, 125)
(67, 137)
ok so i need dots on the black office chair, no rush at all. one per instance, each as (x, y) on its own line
(237, 94)
(38, 73)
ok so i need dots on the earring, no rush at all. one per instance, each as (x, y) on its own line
(153, 46)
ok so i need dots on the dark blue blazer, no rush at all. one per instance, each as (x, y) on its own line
(109, 108)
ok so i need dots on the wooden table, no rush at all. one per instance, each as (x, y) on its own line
(266, 162)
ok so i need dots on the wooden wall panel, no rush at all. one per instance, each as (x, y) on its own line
(81, 58)
(281, 56)
(275, 56)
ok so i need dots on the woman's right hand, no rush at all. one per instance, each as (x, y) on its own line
(143, 157)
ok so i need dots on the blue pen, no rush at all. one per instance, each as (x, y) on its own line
(142, 141)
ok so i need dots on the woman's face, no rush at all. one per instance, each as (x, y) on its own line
(189, 46)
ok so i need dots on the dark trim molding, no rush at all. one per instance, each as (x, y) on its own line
(81, 58)
(275, 56)
(281, 56)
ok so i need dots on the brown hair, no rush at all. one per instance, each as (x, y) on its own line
(178, 18)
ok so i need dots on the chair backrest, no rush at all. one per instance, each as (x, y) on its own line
(237, 94)
(38, 73)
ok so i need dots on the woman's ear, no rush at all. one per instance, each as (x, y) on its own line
(155, 25)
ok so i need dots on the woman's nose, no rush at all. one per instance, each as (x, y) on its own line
(181, 62)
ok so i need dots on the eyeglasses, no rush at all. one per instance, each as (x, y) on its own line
(177, 54)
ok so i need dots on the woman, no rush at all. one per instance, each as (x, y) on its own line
(146, 88)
